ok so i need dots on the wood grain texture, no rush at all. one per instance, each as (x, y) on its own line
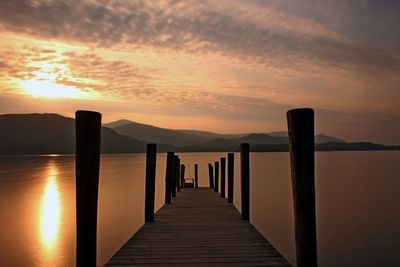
(198, 229)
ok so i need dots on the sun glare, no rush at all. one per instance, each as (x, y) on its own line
(45, 82)
(46, 88)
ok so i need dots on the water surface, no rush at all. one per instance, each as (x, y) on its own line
(358, 211)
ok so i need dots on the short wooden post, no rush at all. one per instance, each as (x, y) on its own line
(231, 160)
(301, 148)
(216, 177)
(182, 175)
(173, 176)
(196, 176)
(223, 170)
(178, 173)
(211, 175)
(168, 177)
(245, 179)
(151, 158)
(87, 165)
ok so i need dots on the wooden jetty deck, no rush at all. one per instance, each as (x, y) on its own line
(199, 228)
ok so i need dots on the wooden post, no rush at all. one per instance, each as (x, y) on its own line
(216, 170)
(223, 170)
(173, 176)
(182, 175)
(178, 173)
(168, 177)
(211, 175)
(196, 176)
(87, 165)
(231, 160)
(301, 148)
(245, 179)
(151, 159)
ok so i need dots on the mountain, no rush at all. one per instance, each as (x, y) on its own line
(191, 138)
(319, 138)
(154, 134)
(54, 134)
(252, 139)
(275, 138)
(210, 135)
(117, 123)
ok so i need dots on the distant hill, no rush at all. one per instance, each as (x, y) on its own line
(210, 135)
(183, 138)
(319, 138)
(253, 139)
(117, 123)
(54, 134)
(154, 134)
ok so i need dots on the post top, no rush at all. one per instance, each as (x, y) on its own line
(301, 111)
(88, 112)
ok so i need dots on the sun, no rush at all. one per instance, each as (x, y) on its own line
(46, 82)
(43, 88)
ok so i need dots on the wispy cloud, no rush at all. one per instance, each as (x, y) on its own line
(244, 60)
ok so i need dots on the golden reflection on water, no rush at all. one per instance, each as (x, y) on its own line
(50, 214)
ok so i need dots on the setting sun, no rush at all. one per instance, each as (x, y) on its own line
(42, 88)
(47, 80)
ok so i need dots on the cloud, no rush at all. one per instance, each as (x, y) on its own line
(261, 34)
(243, 60)
(86, 71)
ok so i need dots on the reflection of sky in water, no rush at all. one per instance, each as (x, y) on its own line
(357, 195)
(50, 214)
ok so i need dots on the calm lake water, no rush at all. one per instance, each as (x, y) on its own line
(358, 206)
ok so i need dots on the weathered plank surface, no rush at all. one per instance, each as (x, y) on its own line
(198, 229)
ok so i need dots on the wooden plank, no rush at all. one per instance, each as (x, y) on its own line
(198, 229)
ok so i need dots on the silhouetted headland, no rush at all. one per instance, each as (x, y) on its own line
(54, 134)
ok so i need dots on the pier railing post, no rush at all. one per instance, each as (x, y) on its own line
(301, 148)
(173, 177)
(223, 171)
(168, 177)
(216, 177)
(231, 158)
(151, 158)
(182, 175)
(177, 173)
(211, 175)
(196, 176)
(87, 165)
(245, 179)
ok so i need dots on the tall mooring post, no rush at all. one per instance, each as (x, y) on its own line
(87, 166)
(196, 176)
(177, 173)
(245, 179)
(216, 176)
(211, 175)
(231, 162)
(169, 177)
(223, 171)
(151, 158)
(182, 175)
(302, 163)
(173, 176)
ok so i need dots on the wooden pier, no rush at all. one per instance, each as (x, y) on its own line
(198, 229)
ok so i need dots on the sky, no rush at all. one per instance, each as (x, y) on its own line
(225, 66)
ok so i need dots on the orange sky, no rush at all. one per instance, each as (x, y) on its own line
(222, 66)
